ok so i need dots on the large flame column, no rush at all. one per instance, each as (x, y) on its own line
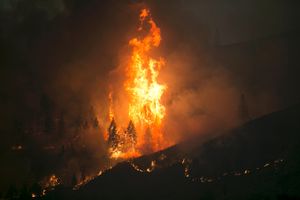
(144, 92)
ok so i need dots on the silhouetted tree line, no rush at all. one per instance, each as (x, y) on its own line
(49, 119)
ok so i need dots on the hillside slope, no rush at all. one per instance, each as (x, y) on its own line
(259, 160)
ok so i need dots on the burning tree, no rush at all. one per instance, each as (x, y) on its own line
(122, 141)
(131, 133)
(113, 138)
(144, 92)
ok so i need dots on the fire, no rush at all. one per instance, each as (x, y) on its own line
(145, 108)
(144, 93)
(52, 181)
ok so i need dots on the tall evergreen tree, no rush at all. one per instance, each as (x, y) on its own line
(113, 138)
(131, 132)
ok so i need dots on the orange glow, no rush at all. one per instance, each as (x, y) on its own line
(111, 112)
(144, 93)
(145, 108)
(115, 154)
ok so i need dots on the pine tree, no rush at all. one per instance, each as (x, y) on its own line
(113, 138)
(131, 132)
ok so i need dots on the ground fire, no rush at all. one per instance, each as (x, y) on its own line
(145, 110)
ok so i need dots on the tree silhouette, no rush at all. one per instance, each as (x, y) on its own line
(113, 138)
(131, 132)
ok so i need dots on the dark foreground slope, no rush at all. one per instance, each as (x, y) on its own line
(259, 160)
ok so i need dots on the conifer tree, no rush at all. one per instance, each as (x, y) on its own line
(113, 138)
(131, 132)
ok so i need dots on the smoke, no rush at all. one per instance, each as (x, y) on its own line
(214, 57)
(201, 96)
(73, 55)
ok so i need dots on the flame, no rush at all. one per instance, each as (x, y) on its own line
(52, 182)
(116, 153)
(144, 93)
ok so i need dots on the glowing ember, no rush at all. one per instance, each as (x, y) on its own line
(144, 93)
(52, 182)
